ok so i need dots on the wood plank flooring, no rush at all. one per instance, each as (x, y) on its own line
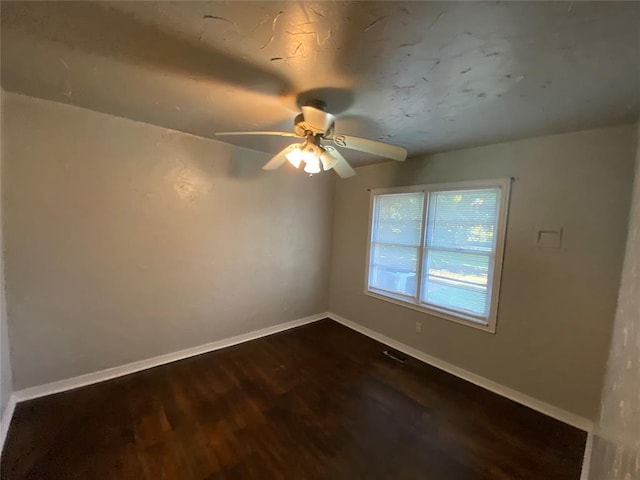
(317, 402)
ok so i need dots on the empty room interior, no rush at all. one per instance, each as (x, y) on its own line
(320, 240)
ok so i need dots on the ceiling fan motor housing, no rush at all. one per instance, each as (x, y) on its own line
(315, 120)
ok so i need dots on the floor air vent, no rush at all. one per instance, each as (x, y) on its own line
(397, 356)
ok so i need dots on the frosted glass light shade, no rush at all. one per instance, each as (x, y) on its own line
(312, 164)
(294, 157)
(328, 160)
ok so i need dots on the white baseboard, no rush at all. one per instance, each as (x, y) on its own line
(109, 373)
(6, 420)
(586, 461)
(538, 405)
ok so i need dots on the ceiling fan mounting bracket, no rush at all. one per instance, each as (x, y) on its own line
(317, 104)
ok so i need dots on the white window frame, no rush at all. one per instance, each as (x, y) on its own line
(495, 269)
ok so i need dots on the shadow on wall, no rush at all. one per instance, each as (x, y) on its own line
(208, 159)
(411, 172)
(244, 167)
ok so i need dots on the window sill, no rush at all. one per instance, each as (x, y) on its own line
(462, 320)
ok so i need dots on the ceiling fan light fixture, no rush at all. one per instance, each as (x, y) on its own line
(315, 125)
(328, 160)
(312, 163)
(294, 156)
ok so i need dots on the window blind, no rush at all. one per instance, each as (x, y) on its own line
(438, 249)
(396, 242)
(459, 250)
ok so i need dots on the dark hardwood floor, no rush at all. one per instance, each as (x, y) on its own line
(317, 402)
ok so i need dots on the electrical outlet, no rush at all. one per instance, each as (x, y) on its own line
(418, 327)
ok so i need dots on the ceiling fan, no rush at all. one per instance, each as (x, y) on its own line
(316, 125)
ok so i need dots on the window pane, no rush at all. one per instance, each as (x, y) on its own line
(393, 268)
(463, 219)
(457, 281)
(398, 218)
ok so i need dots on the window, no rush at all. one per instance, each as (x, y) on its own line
(438, 249)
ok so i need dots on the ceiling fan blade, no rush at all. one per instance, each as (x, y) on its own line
(341, 167)
(277, 134)
(394, 152)
(279, 159)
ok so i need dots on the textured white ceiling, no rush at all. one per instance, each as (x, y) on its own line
(430, 76)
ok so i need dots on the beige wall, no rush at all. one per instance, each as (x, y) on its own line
(556, 306)
(125, 241)
(616, 451)
(6, 383)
